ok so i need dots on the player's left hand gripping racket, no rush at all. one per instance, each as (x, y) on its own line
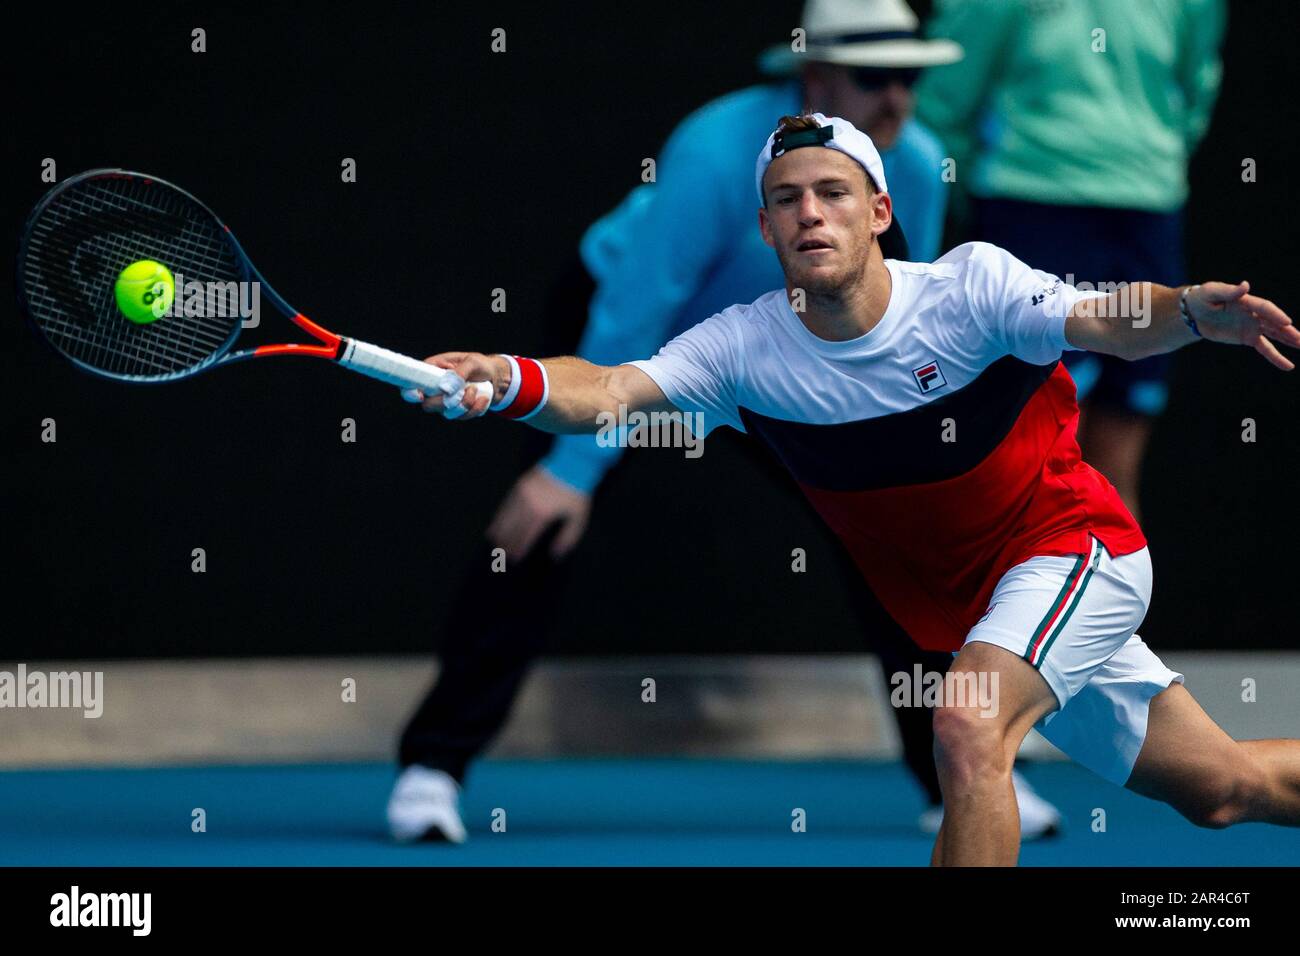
(98, 270)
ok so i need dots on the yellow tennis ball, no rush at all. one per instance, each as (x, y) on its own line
(144, 291)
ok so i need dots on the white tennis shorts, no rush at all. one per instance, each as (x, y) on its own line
(1074, 619)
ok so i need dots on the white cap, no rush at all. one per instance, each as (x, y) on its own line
(834, 133)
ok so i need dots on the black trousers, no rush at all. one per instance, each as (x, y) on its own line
(486, 657)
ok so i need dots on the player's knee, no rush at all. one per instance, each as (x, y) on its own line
(968, 746)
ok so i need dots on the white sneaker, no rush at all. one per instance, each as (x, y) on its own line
(1038, 818)
(930, 820)
(425, 806)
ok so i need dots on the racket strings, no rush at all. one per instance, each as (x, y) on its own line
(159, 346)
(92, 230)
(116, 346)
(124, 348)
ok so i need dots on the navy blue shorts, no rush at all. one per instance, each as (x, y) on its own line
(1095, 245)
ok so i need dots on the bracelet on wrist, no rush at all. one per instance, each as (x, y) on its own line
(1186, 313)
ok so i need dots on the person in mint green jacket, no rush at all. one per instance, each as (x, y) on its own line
(1070, 126)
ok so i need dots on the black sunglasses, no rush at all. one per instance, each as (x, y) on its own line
(878, 77)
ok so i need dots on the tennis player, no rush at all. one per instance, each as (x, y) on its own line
(925, 413)
(670, 253)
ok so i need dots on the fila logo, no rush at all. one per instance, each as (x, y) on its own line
(929, 377)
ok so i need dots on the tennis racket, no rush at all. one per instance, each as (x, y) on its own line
(87, 230)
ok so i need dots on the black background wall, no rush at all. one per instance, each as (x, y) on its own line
(477, 171)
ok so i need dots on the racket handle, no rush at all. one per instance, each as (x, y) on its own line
(406, 372)
(397, 369)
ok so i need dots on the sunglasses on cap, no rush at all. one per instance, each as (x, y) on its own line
(880, 77)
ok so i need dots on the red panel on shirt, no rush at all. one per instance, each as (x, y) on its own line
(934, 552)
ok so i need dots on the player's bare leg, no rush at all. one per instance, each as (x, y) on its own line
(1190, 763)
(974, 754)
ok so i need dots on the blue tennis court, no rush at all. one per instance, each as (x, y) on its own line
(572, 812)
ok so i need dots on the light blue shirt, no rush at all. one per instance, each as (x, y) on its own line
(687, 246)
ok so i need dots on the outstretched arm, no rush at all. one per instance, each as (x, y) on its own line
(1147, 319)
(579, 394)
